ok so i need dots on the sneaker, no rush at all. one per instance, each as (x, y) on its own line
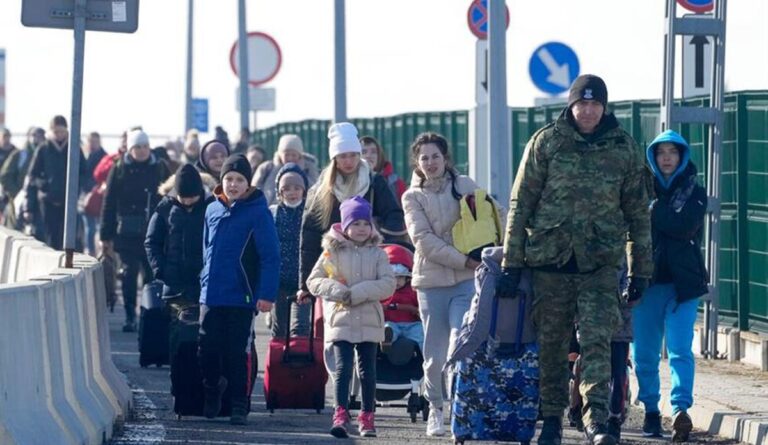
(340, 426)
(652, 425)
(681, 427)
(574, 418)
(435, 423)
(129, 326)
(597, 434)
(212, 402)
(365, 424)
(613, 427)
(551, 431)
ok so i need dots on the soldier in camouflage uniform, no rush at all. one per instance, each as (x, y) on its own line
(578, 201)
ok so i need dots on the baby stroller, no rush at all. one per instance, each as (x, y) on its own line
(399, 372)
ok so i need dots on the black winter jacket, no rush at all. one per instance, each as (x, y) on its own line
(174, 246)
(129, 201)
(48, 175)
(386, 210)
(677, 228)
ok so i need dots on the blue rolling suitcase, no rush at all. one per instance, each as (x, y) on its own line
(496, 388)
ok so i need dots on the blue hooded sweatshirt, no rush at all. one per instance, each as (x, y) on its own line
(240, 250)
(685, 156)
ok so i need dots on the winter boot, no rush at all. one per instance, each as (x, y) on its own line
(551, 431)
(239, 411)
(597, 434)
(213, 398)
(614, 427)
(652, 425)
(681, 427)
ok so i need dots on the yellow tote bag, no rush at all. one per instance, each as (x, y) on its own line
(481, 229)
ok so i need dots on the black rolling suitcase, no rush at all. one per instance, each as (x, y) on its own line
(186, 378)
(154, 323)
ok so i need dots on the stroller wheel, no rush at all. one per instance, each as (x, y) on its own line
(424, 409)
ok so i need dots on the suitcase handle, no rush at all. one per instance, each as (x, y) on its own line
(300, 358)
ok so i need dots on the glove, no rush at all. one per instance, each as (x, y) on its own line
(636, 286)
(506, 287)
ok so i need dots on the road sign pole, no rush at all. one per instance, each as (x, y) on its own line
(498, 122)
(340, 63)
(242, 44)
(73, 163)
(188, 92)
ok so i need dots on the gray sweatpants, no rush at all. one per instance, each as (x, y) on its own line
(442, 310)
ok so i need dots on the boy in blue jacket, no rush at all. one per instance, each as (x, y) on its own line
(240, 273)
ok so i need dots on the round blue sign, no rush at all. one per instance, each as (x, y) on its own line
(553, 67)
(699, 6)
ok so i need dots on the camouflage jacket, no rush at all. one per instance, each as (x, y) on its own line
(587, 199)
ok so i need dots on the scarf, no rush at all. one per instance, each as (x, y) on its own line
(358, 186)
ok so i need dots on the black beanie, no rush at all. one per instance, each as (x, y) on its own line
(238, 163)
(188, 183)
(588, 87)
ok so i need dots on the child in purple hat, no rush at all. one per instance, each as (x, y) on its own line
(352, 276)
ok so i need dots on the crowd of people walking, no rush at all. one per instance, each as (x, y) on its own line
(225, 229)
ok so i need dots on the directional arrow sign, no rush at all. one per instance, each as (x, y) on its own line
(697, 63)
(553, 67)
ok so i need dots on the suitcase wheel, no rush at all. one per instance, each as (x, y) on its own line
(458, 441)
(178, 416)
(159, 365)
(525, 442)
(271, 411)
(413, 417)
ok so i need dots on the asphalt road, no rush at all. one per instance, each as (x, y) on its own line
(153, 421)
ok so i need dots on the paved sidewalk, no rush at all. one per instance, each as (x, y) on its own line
(730, 400)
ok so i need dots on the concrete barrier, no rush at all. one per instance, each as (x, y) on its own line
(57, 380)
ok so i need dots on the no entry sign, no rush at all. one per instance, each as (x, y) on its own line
(264, 58)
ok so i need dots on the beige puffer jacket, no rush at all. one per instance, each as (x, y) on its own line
(430, 213)
(352, 310)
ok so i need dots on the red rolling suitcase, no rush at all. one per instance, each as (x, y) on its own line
(295, 376)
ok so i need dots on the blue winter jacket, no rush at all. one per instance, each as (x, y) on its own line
(241, 252)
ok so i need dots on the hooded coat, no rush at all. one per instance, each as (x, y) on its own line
(288, 224)
(405, 295)
(677, 223)
(241, 256)
(265, 178)
(352, 310)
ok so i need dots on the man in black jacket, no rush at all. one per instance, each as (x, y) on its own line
(47, 182)
(129, 201)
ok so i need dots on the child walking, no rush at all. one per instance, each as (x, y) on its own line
(240, 273)
(401, 310)
(352, 276)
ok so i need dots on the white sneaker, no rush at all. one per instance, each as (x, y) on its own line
(435, 423)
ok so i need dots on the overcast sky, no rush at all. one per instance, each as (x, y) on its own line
(402, 55)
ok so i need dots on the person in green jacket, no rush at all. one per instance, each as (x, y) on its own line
(579, 201)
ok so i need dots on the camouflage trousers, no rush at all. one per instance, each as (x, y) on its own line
(559, 300)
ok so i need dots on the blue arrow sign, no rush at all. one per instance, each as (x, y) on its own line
(553, 67)
(200, 115)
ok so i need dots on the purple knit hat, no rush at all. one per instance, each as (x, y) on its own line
(353, 209)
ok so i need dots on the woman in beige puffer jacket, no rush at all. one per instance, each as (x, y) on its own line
(442, 276)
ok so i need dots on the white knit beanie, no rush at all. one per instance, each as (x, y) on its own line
(136, 137)
(343, 139)
(290, 142)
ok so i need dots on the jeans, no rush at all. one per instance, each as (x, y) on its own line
(344, 352)
(91, 229)
(659, 314)
(412, 331)
(133, 262)
(442, 311)
(225, 336)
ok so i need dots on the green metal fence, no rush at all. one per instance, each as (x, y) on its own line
(744, 230)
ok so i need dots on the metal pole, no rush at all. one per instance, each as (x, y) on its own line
(713, 182)
(340, 63)
(73, 162)
(242, 55)
(498, 121)
(188, 93)
(668, 89)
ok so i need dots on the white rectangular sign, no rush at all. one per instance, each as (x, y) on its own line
(481, 72)
(259, 99)
(697, 63)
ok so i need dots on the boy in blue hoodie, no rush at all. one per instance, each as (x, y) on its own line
(668, 307)
(240, 274)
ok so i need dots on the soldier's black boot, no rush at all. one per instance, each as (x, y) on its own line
(652, 425)
(575, 419)
(614, 427)
(551, 431)
(239, 411)
(597, 434)
(213, 395)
